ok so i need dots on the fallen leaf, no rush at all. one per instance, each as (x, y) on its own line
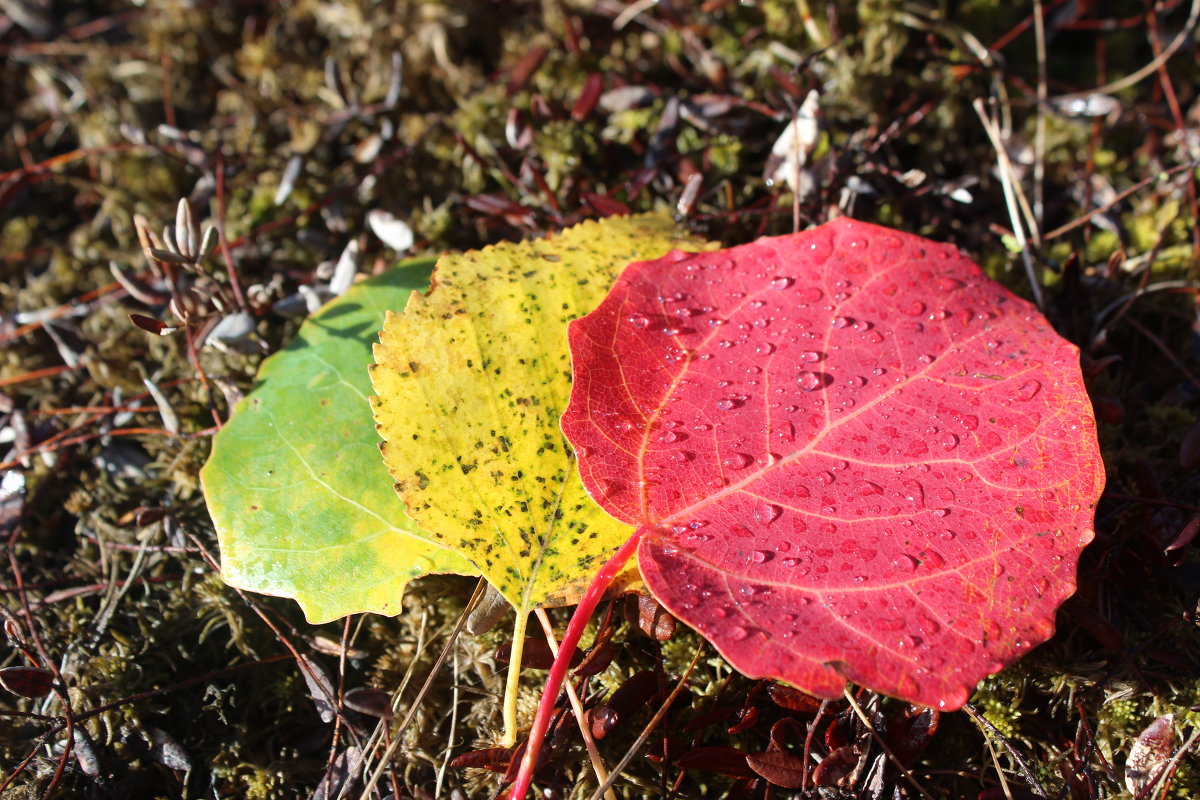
(1150, 754)
(470, 381)
(779, 768)
(27, 681)
(302, 505)
(850, 455)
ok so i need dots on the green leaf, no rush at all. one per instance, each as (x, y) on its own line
(299, 495)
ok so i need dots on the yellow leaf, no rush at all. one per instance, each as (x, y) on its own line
(470, 382)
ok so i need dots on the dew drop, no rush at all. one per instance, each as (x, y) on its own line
(726, 404)
(736, 460)
(866, 488)
(681, 456)
(738, 633)
(760, 557)
(668, 436)
(915, 309)
(904, 563)
(934, 559)
(1029, 390)
(810, 294)
(639, 320)
(810, 356)
(780, 283)
(914, 492)
(808, 381)
(841, 322)
(766, 513)
(826, 478)
(948, 441)
(764, 348)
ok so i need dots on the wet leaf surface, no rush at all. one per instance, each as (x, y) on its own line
(852, 456)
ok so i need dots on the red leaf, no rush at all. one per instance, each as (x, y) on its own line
(793, 699)
(27, 681)
(850, 455)
(836, 766)
(588, 98)
(781, 769)
(495, 759)
(369, 700)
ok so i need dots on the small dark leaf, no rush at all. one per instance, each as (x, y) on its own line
(86, 753)
(588, 98)
(536, 654)
(602, 720)
(841, 731)
(836, 766)
(781, 769)
(1149, 755)
(1185, 535)
(909, 731)
(369, 700)
(320, 688)
(793, 699)
(650, 617)
(494, 758)
(727, 761)
(605, 205)
(634, 693)
(783, 731)
(27, 681)
(340, 776)
(746, 719)
(597, 660)
(166, 750)
(523, 70)
(487, 612)
(152, 325)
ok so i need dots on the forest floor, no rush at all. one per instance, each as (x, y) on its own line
(1056, 142)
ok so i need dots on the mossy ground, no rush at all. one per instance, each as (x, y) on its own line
(179, 687)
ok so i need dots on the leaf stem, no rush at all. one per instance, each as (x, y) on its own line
(513, 684)
(562, 662)
(577, 707)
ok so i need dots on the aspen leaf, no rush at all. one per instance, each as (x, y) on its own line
(302, 505)
(470, 382)
(849, 454)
